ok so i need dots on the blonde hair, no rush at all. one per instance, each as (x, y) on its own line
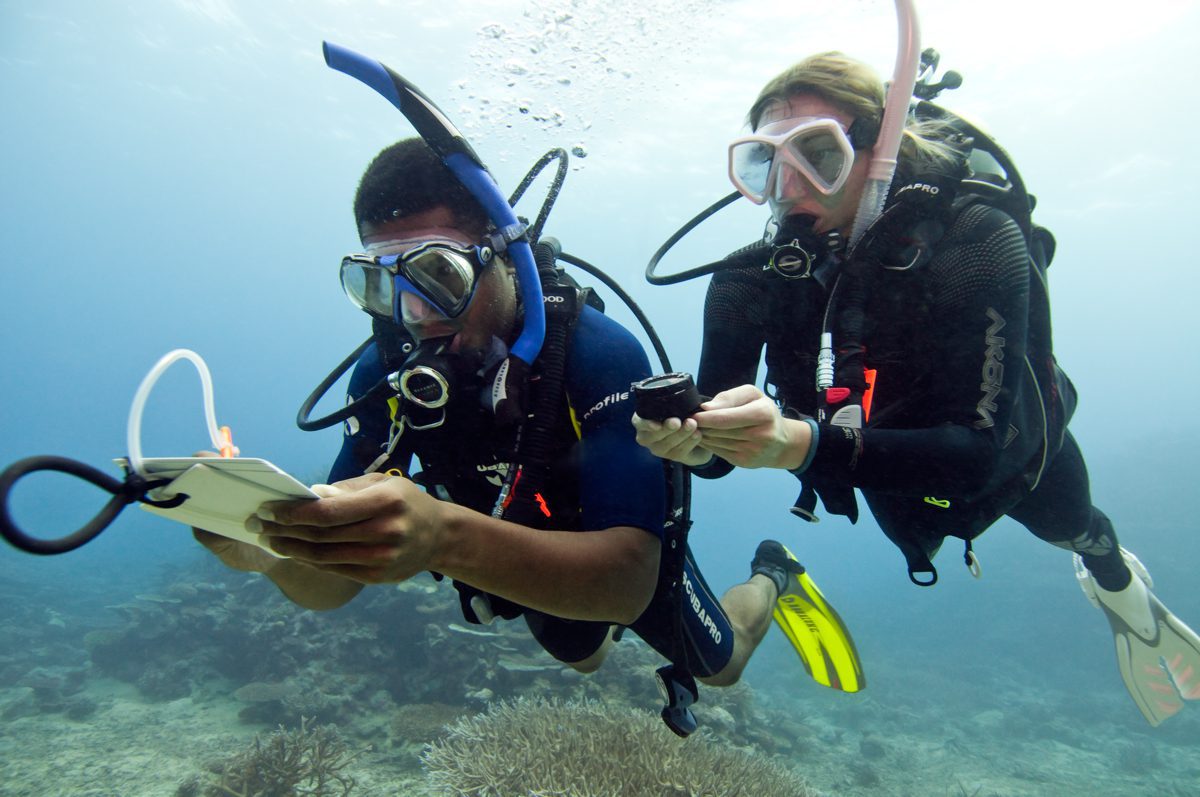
(854, 88)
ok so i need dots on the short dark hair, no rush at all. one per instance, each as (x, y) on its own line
(407, 178)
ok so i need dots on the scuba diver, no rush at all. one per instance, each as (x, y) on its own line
(445, 312)
(508, 385)
(911, 359)
(512, 389)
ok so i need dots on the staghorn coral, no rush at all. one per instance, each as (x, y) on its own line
(304, 761)
(421, 722)
(535, 748)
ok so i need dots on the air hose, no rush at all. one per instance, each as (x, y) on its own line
(134, 487)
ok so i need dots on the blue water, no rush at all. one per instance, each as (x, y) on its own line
(180, 175)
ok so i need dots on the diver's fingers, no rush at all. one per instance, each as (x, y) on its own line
(733, 397)
(685, 450)
(357, 483)
(213, 542)
(664, 436)
(748, 416)
(730, 434)
(233, 553)
(325, 553)
(366, 574)
(364, 531)
(726, 449)
(387, 516)
(653, 431)
(356, 500)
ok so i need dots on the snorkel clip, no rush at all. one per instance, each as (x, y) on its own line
(501, 238)
(924, 89)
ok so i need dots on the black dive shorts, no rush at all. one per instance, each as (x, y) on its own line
(707, 636)
(566, 640)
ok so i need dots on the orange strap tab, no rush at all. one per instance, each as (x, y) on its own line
(869, 376)
(512, 493)
(227, 449)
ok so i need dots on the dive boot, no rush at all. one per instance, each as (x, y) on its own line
(1158, 654)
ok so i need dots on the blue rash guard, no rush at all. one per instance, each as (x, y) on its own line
(600, 478)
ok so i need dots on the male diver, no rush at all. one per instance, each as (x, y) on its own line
(513, 393)
(577, 554)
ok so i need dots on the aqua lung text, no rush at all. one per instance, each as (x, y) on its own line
(993, 371)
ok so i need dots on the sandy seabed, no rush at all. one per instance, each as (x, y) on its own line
(131, 747)
(939, 717)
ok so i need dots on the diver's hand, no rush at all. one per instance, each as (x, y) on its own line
(742, 425)
(236, 554)
(676, 439)
(373, 529)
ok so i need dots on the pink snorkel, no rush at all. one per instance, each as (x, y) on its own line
(883, 164)
(895, 113)
(879, 176)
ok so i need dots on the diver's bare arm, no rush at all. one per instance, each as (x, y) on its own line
(606, 575)
(383, 530)
(311, 588)
(301, 584)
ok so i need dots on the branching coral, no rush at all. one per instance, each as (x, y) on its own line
(306, 761)
(537, 748)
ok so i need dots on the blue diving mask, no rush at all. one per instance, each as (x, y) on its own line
(458, 156)
(442, 273)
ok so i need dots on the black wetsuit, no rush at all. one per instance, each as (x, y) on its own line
(600, 478)
(969, 411)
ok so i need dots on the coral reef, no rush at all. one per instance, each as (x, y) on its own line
(309, 760)
(537, 747)
(209, 633)
(390, 669)
(423, 722)
(43, 667)
(215, 633)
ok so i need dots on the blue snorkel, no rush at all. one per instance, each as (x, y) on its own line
(456, 153)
